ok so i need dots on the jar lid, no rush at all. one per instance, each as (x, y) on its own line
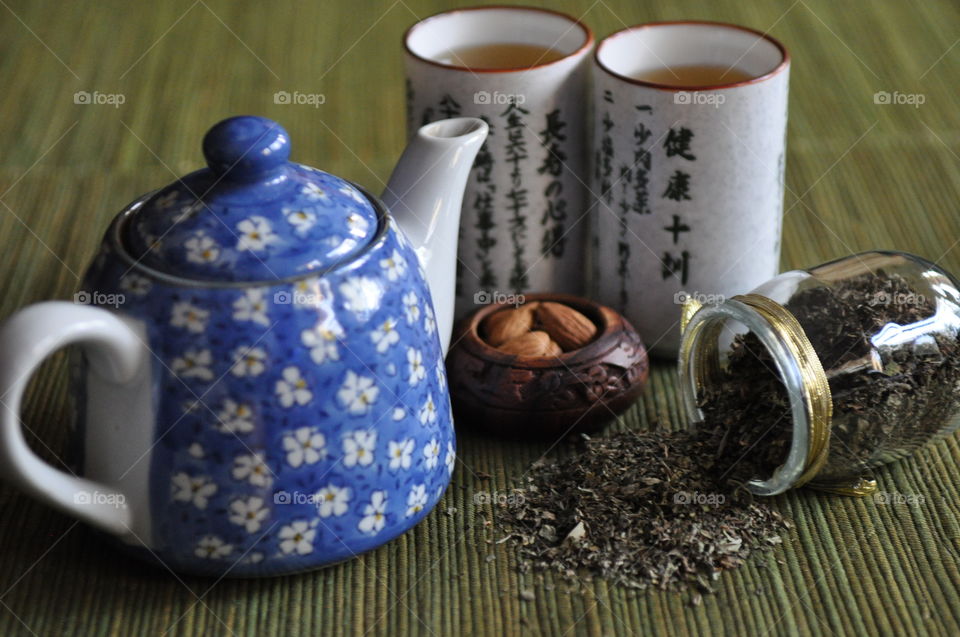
(251, 215)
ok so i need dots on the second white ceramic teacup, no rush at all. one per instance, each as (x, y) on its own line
(688, 180)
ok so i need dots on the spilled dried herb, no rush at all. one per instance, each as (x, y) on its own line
(641, 509)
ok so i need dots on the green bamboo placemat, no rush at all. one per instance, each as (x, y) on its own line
(860, 175)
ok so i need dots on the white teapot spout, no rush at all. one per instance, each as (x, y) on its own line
(424, 195)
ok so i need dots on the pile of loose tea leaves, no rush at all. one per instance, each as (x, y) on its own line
(641, 509)
(668, 509)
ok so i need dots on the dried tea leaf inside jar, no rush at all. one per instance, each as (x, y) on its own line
(819, 375)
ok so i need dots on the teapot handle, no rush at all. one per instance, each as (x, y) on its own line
(26, 339)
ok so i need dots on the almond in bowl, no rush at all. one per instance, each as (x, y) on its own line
(553, 365)
(538, 328)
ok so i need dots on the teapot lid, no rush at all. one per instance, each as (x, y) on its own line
(251, 215)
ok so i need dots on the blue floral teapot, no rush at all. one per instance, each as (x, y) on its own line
(261, 388)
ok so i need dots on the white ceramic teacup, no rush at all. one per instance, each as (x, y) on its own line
(688, 180)
(523, 226)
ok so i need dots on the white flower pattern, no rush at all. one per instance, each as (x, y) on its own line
(304, 446)
(297, 538)
(431, 454)
(248, 361)
(400, 453)
(416, 500)
(235, 417)
(358, 393)
(411, 307)
(429, 321)
(201, 249)
(252, 306)
(299, 218)
(374, 514)
(428, 413)
(332, 500)
(194, 364)
(314, 192)
(292, 389)
(385, 335)
(307, 293)
(190, 317)
(441, 375)
(415, 365)
(212, 547)
(395, 266)
(322, 342)
(357, 225)
(255, 234)
(358, 448)
(252, 468)
(361, 295)
(451, 457)
(353, 193)
(248, 513)
(135, 284)
(195, 490)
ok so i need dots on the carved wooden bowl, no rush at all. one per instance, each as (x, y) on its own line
(576, 391)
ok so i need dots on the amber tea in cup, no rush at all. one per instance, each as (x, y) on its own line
(506, 55)
(697, 75)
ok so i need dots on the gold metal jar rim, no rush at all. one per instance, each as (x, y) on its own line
(797, 363)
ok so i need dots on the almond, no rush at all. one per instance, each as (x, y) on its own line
(568, 327)
(535, 343)
(506, 325)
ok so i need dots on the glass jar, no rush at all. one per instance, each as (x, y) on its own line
(866, 348)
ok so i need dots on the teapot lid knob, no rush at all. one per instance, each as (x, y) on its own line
(246, 148)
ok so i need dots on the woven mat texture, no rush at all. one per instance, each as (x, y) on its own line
(859, 176)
